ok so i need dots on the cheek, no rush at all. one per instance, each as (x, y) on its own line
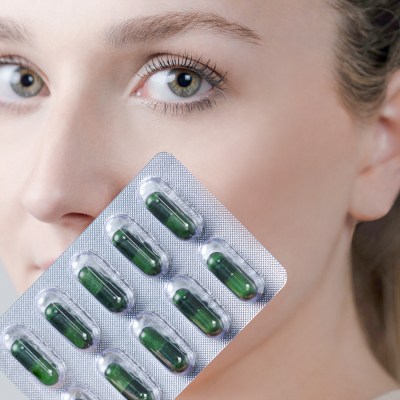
(285, 170)
(17, 151)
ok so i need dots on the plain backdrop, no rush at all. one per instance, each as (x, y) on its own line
(7, 298)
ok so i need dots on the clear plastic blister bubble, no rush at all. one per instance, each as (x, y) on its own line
(232, 270)
(78, 392)
(103, 282)
(126, 376)
(170, 209)
(34, 355)
(198, 306)
(68, 319)
(137, 245)
(163, 342)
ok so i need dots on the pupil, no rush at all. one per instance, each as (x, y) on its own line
(27, 80)
(184, 79)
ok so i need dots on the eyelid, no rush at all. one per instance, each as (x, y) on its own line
(18, 109)
(186, 107)
(162, 61)
(12, 59)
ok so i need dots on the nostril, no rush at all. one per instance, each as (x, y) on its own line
(77, 221)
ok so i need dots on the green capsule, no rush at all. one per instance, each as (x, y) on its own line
(170, 215)
(198, 312)
(103, 289)
(37, 364)
(69, 325)
(166, 351)
(232, 276)
(140, 253)
(127, 384)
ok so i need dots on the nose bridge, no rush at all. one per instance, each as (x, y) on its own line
(67, 175)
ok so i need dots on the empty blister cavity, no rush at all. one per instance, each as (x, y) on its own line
(126, 376)
(163, 342)
(170, 209)
(103, 282)
(198, 306)
(34, 355)
(69, 319)
(136, 245)
(77, 392)
(232, 270)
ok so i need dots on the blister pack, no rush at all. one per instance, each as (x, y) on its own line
(143, 300)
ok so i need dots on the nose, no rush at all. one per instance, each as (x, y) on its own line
(70, 180)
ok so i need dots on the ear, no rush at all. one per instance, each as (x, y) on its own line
(378, 181)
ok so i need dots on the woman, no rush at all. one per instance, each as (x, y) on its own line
(288, 111)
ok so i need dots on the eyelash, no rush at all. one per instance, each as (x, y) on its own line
(155, 64)
(186, 61)
(12, 59)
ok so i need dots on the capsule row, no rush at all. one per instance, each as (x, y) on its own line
(150, 329)
(114, 365)
(183, 291)
(144, 252)
(105, 284)
(160, 339)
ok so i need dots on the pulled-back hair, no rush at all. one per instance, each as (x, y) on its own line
(367, 55)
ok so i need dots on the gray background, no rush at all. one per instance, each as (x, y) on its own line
(7, 298)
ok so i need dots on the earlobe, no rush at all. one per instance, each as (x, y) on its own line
(377, 184)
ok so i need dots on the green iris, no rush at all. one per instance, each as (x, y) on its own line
(25, 82)
(186, 83)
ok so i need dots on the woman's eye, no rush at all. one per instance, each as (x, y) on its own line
(17, 81)
(174, 84)
(180, 83)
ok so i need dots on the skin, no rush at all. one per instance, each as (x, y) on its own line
(281, 152)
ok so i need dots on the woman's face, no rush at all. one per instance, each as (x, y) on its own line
(252, 112)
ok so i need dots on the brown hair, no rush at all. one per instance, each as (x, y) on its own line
(367, 54)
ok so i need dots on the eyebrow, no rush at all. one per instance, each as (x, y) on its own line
(147, 28)
(162, 26)
(13, 31)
